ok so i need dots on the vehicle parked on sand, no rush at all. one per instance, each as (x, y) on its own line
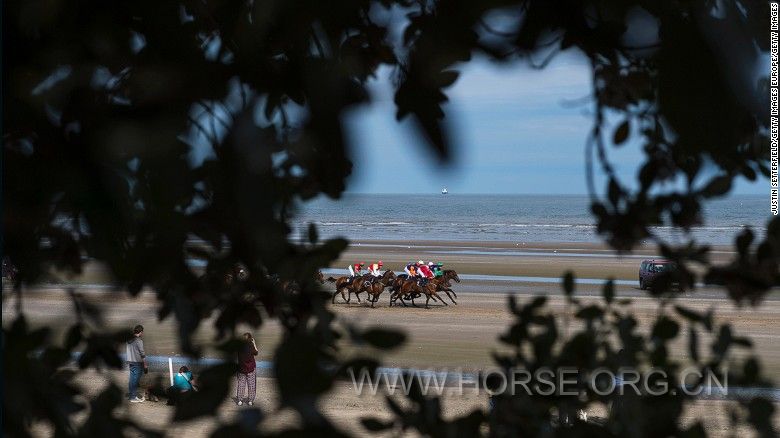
(650, 271)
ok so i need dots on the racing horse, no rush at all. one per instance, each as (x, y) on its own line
(350, 285)
(410, 288)
(377, 285)
(294, 306)
(395, 290)
(443, 283)
(292, 287)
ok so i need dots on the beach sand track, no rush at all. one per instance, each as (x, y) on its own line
(461, 336)
(456, 336)
(344, 408)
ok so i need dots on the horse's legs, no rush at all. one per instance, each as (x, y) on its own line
(447, 291)
(343, 298)
(440, 298)
(333, 300)
(427, 298)
(394, 295)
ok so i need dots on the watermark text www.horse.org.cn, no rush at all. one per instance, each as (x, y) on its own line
(774, 99)
(543, 381)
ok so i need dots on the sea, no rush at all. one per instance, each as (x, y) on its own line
(510, 218)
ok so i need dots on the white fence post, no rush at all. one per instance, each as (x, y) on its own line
(170, 369)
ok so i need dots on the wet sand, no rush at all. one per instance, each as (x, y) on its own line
(551, 260)
(586, 260)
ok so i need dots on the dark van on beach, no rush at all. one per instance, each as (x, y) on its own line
(651, 271)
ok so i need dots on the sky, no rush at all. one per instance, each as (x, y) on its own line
(515, 130)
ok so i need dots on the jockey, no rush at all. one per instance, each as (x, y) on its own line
(437, 270)
(354, 270)
(425, 271)
(375, 269)
(422, 278)
(411, 269)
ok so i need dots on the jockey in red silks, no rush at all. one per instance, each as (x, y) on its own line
(425, 271)
(354, 270)
(375, 269)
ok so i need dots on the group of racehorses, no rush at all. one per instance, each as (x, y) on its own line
(402, 287)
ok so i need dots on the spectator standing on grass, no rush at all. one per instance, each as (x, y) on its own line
(246, 378)
(136, 362)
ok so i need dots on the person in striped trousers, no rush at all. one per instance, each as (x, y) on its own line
(246, 378)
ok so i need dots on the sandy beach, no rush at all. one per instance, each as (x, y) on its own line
(455, 336)
(343, 407)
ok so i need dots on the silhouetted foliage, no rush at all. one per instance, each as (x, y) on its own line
(147, 134)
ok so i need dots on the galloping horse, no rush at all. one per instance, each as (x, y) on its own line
(404, 290)
(443, 283)
(407, 289)
(395, 290)
(377, 285)
(411, 289)
(450, 274)
(291, 286)
(350, 285)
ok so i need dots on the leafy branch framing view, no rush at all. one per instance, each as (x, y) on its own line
(106, 102)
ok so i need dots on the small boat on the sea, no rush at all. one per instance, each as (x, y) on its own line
(444, 191)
